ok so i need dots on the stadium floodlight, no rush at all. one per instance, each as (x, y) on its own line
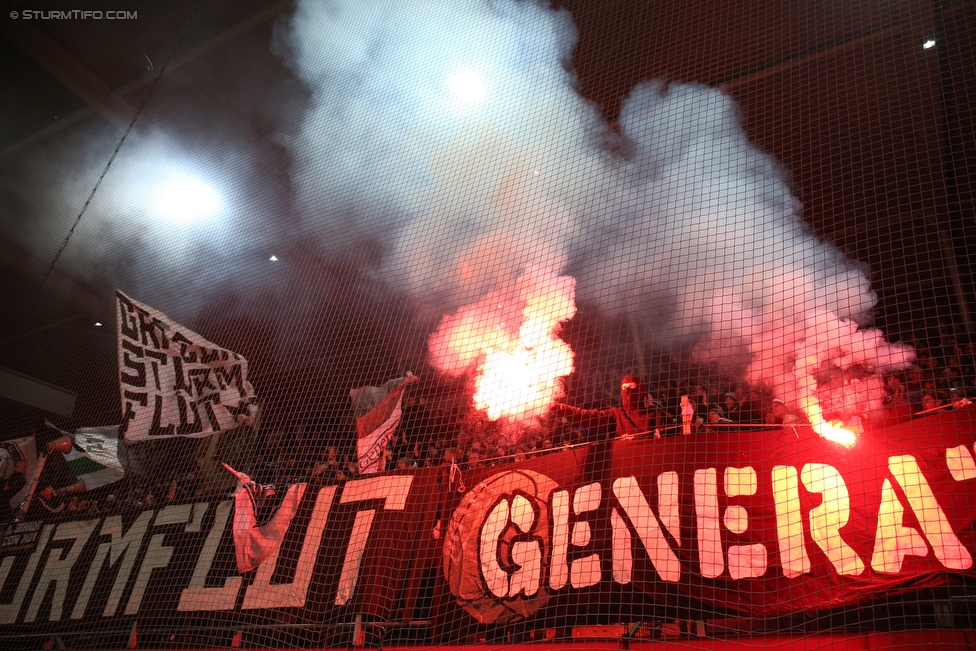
(468, 88)
(184, 200)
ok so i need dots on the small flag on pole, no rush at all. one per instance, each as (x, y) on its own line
(378, 411)
(254, 543)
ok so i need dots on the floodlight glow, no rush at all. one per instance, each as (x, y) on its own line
(929, 43)
(184, 200)
(468, 87)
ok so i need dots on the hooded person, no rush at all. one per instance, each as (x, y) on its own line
(627, 420)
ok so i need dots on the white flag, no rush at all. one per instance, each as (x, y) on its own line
(381, 410)
(100, 444)
(173, 381)
(254, 543)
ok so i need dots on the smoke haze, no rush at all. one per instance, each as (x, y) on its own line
(684, 225)
(428, 155)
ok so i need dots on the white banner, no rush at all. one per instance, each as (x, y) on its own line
(173, 381)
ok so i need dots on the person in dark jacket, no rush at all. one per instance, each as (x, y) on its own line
(732, 409)
(717, 422)
(627, 420)
(660, 418)
(55, 481)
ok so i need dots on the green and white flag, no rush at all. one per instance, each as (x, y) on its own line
(100, 444)
(97, 465)
(90, 471)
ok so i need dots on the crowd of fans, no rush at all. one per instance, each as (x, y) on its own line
(430, 435)
(944, 374)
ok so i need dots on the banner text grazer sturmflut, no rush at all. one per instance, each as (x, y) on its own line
(173, 381)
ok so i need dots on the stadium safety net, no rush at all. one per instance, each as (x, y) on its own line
(488, 323)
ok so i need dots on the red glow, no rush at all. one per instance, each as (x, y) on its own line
(836, 432)
(520, 376)
(511, 338)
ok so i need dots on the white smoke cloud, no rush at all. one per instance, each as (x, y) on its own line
(463, 190)
(715, 249)
(451, 133)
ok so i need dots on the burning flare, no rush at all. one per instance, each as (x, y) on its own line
(512, 337)
(833, 430)
(839, 369)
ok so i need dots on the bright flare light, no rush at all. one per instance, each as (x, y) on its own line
(836, 432)
(833, 431)
(518, 370)
(522, 380)
(184, 200)
(468, 87)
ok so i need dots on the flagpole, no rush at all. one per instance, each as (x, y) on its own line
(25, 505)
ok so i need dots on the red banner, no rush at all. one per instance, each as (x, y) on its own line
(760, 523)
